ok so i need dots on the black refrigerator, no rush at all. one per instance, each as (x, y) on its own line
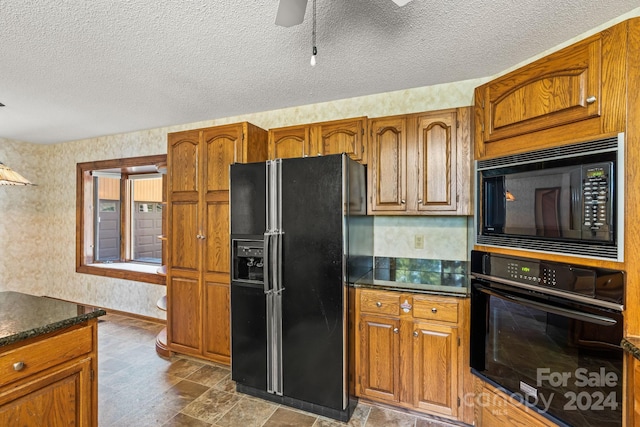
(299, 236)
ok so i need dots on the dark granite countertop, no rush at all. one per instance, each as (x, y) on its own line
(631, 345)
(24, 316)
(438, 283)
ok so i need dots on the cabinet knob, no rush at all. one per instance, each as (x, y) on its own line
(420, 201)
(395, 330)
(403, 201)
(18, 366)
(378, 304)
(434, 310)
(591, 99)
(415, 334)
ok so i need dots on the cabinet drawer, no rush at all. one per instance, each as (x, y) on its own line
(44, 354)
(379, 302)
(429, 309)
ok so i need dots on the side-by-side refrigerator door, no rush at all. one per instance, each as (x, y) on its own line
(313, 309)
(248, 303)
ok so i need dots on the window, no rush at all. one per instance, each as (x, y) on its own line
(120, 218)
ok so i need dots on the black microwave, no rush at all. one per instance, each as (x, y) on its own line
(560, 200)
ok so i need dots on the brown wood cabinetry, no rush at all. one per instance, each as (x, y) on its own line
(198, 234)
(57, 384)
(320, 139)
(550, 103)
(495, 409)
(412, 351)
(421, 163)
(575, 93)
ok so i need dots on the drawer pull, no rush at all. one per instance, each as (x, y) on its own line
(591, 100)
(434, 310)
(415, 334)
(395, 330)
(378, 304)
(18, 366)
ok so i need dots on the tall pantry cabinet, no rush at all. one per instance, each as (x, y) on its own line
(198, 261)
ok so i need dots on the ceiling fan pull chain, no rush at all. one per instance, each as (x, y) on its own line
(314, 50)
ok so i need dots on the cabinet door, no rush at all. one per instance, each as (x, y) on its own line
(62, 397)
(562, 88)
(217, 327)
(343, 136)
(290, 142)
(437, 162)
(184, 304)
(388, 164)
(185, 169)
(435, 368)
(380, 357)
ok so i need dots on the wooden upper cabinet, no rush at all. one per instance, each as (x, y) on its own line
(342, 136)
(292, 141)
(437, 157)
(388, 164)
(420, 164)
(183, 161)
(320, 139)
(573, 94)
(556, 90)
(223, 147)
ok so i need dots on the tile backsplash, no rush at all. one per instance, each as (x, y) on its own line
(441, 238)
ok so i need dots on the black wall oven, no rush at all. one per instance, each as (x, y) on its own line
(564, 199)
(549, 334)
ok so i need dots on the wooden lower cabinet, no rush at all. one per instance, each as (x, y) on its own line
(413, 351)
(58, 384)
(435, 372)
(495, 409)
(380, 354)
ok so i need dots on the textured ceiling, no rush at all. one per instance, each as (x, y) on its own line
(75, 69)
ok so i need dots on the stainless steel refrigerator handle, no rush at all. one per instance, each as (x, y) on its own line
(266, 260)
(270, 388)
(277, 344)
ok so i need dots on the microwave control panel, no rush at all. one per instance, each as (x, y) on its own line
(597, 201)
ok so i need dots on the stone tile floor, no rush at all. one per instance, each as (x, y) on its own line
(137, 388)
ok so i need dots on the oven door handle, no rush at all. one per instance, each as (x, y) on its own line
(573, 314)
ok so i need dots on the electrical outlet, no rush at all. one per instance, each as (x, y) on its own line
(418, 241)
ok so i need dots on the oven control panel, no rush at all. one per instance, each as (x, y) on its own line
(587, 281)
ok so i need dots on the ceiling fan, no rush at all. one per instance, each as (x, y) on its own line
(291, 12)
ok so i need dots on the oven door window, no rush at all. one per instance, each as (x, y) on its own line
(564, 359)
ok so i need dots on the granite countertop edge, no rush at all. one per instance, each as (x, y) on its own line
(367, 281)
(631, 345)
(52, 327)
(396, 288)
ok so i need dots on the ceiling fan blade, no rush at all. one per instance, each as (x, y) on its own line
(291, 12)
(401, 2)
